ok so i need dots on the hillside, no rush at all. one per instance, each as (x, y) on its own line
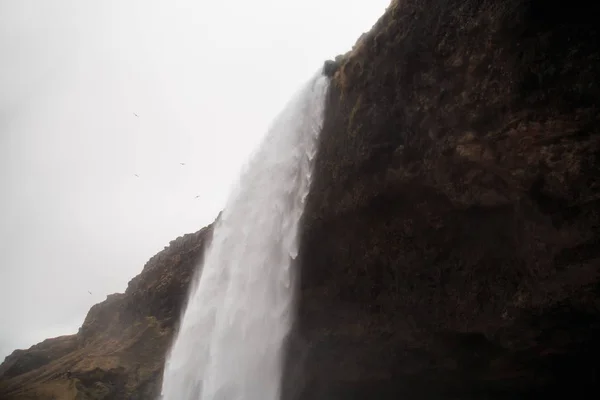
(120, 349)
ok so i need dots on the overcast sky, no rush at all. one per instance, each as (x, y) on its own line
(205, 79)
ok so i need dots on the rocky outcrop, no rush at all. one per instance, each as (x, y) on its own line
(23, 361)
(451, 241)
(330, 67)
(120, 349)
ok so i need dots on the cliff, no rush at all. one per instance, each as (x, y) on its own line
(451, 241)
(120, 349)
(450, 246)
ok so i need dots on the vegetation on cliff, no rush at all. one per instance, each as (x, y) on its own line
(120, 349)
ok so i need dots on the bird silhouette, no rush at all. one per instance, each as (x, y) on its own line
(136, 175)
(89, 292)
(182, 163)
(197, 196)
(136, 115)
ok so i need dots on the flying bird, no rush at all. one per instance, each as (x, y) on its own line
(182, 163)
(136, 115)
(137, 175)
(89, 292)
(197, 196)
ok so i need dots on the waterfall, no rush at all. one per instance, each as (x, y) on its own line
(231, 339)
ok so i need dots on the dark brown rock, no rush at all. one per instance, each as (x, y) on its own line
(450, 247)
(330, 67)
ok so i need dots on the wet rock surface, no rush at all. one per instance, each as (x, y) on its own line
(451, 239)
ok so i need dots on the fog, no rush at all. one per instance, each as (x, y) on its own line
(93, 93)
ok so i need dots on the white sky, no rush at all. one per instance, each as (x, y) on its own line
(205, 78)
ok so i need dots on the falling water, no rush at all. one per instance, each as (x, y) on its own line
(232, 334)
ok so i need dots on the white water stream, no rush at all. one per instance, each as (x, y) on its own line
(232, 335)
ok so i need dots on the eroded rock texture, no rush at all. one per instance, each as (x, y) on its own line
(451, 245)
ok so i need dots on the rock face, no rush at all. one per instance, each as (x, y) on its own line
(330, 67)
(120, 349)
(451, 242)
(452, 239)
